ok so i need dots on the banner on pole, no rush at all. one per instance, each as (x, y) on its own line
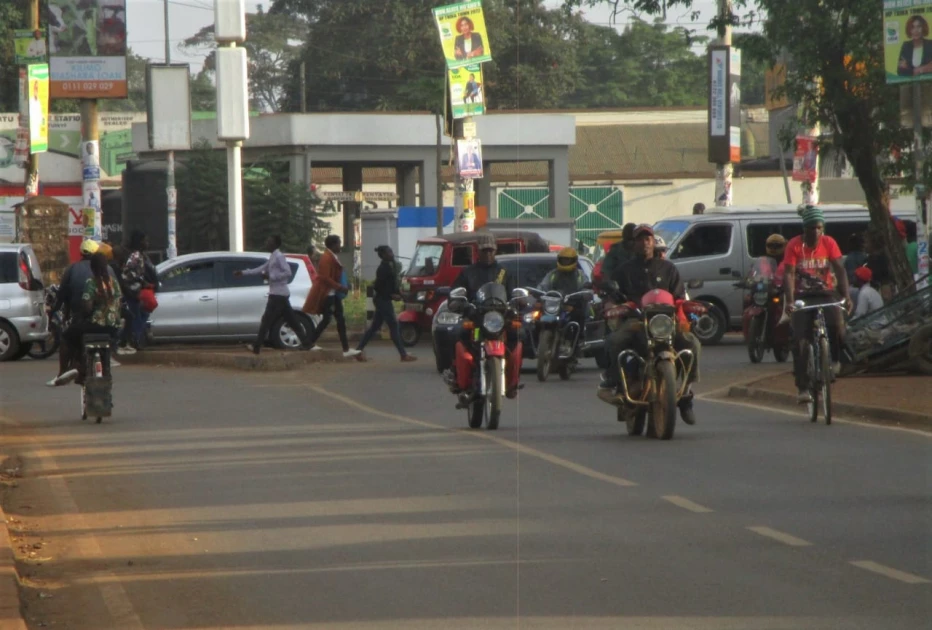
(29, 46)
(467, 94)
(907, 48)
(805, 159)
(463, 35)
(469, 158)
(38, 85)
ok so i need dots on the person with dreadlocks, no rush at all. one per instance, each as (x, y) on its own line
(812, 263)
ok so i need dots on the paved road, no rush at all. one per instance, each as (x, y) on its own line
(350, 496)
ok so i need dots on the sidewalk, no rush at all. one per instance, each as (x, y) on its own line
(900, 400)
(232, 357)
(10, 614)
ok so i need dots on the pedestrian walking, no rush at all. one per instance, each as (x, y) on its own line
(277, 271)
(138, 274)
(386, 290)
(324, 298)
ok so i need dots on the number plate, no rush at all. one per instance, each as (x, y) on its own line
(414, 307)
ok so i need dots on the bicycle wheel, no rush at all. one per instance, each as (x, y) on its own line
(826, 372)
(814, 385)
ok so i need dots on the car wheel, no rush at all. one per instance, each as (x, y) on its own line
(9, 342)
(24, 349)
(410, 335)
(284, 338)
(711, 327)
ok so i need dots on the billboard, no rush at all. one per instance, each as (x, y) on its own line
(724, 104)
(87, 48)
(463, 35)
(29, 46)
(907, 48)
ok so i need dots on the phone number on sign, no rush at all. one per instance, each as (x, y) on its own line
(87, 86)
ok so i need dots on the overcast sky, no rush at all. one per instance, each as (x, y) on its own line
(147, 27)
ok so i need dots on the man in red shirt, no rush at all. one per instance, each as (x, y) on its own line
(812, 265)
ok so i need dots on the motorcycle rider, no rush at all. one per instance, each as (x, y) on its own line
(568, 278)
(472, 279)
(68, 300)
(620, 253)
(643, 273)
(818, 257)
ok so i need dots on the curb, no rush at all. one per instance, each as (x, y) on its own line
(874, 415)
(267, 361)
(11, 616)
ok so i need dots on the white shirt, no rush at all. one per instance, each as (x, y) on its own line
(869, 300)
(36, 48)
(917, 57)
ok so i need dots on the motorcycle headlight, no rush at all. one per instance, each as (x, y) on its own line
(529, 318)
(493, 322)
(661, 326)
(551, 307)
(446, 318)
(760, 298)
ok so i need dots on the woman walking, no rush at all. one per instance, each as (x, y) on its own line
(386, 289)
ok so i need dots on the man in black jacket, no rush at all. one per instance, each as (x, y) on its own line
(386, 289)
(640, 275)
(619, 253)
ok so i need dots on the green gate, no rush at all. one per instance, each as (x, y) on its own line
(593, 208)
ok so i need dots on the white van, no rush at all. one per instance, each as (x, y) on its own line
(719, 247)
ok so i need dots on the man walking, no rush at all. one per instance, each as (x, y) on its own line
(386, 289)
(324, 298)
(277, 271)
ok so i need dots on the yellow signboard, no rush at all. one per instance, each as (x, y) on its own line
(38, 82)
(463, 34)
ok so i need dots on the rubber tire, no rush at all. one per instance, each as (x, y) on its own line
(826, 381)
(437, 361)
(497, 393)
(755, 346)
(664, 410)
(475, 414)
(566, 370)
(22, 352)
(813, 407)
(45, 349)
(544, 355)
(781, 354)
(636, 421)
(13, 348)
(275, 336)
(410, 334)
(720, 329)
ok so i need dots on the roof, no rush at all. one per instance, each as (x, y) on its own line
(533, 239)
(551, 256)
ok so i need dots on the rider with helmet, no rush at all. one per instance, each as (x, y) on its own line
(567, 277)
(637, 279)
(776, 245)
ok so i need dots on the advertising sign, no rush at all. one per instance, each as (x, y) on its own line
(724, 104)
(29, 47)
(806, 159)
(469, 158)
(38, 81)
(87, 48)
(463, 35)
(907, 48)
(466, 91)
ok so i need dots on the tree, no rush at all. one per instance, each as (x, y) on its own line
(837, 74)
(273, 44)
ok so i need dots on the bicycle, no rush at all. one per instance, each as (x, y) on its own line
(819, 362)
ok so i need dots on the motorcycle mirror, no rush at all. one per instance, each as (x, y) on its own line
(519, 294)
(458, 293)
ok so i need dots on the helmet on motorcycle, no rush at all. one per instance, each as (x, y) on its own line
(775, 245)
(567, 259)
(658, 297)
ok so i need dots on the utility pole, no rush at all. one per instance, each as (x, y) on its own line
(439, 119)
(302, 81)
(90, 163)
(31, 179)
(170, 190)
(724, 171)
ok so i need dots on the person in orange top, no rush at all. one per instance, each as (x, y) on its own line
(324, 298)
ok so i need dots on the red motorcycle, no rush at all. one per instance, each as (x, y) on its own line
(764, 322)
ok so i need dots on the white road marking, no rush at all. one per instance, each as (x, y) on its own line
(893, 574)
(786, 539)
(686, 504)
(483, 435)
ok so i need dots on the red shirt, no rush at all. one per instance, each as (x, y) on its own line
(815, 261)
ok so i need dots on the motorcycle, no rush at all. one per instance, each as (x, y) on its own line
(763, 322)
(560, 338)
(653, 382)
(46, 348)
(480, 377)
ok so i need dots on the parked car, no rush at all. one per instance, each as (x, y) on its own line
(529, 270)
(200, 300)
(22, 301)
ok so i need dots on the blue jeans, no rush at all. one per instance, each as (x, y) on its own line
(137, 323)
(384, 313)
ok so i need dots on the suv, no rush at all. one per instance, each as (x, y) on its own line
(200, 300)
(22, 301)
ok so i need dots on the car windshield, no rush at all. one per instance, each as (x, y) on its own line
(529, 273)
(669, 231)
(425, 261)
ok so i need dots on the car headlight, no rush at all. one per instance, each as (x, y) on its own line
(446, 318)
(493, 322)
(661, 326)
(551, 307)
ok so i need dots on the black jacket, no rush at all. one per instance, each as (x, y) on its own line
(386, 282)
(638, 276)
(473, 277)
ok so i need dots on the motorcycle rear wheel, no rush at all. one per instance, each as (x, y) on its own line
(663, 411)
(781, 353)
(756, 340)
(635, 420)
(544, 355)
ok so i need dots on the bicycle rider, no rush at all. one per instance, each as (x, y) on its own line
(812, 263)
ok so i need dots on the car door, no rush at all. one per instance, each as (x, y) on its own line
(187, 301)
(241, 300)
(709, 252)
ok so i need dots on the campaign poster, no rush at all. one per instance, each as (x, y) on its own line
(467, 93)
(907, 46)
(805, 159)
(87, 48)
(469, 158)
(38, 82)
(463, 35)
(29, 46)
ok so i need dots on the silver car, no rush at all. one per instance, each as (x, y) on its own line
(200, 300)
(22, 301)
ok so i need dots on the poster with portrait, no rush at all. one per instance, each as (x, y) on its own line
(907, 45)
(469, 158)
(29, 46)
(38, 82)
(805, 159)
(466, 91)
(87, 48)
(463, 35)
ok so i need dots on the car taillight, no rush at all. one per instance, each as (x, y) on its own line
(24, 275)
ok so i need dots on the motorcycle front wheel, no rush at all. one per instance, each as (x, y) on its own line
(756, 340)
(663, 411)
(495, 400)
(544, 354)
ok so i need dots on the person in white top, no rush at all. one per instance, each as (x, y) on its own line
(36, 49)
(869, 299)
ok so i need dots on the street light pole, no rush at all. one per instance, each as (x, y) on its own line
(724, 171)
(170, 190)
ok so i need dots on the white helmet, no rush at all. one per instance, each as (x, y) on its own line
(660, 245)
